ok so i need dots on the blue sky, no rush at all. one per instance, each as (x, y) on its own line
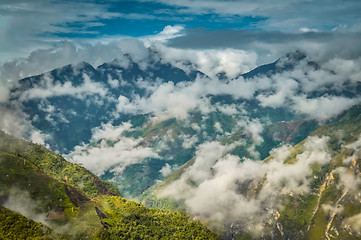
(137, 18)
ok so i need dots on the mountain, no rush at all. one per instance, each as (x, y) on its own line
(133, 122)
(168, 134)
(68, 102)
(309, 191)
(285, 63)
(45, 197)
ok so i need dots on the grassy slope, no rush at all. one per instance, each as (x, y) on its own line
(55, 166)
(57, 185)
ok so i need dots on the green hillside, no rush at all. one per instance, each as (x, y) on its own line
(43, 196)
(324, 203)
(16, 226)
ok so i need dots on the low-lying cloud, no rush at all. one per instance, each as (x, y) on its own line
(51, 89)
(21, 202)
(212, 187)
(108, 149)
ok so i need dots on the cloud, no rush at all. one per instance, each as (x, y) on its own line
(168, 33)
(111, 150)
(49, 88)
(323, 108)
(209, 61)
(25, 21)
(178, 99)
(283, 15)
(212, 187)
(306, 29)
(333, 209)
(315, 92)
(166, 170)
(255, 128)
(136, 50)
(66, 52)
(21, 202)
(354, 222)
(271, 44)
(27, 26)
(15, 122)
(189, 141)
(38, 137)
(170, 100)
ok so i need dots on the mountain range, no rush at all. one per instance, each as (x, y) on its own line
(268, 154)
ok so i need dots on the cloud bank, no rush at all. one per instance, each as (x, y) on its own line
(218, 186)
(110, 150)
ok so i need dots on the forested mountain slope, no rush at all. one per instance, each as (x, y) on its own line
(309, 191)
(45, 197)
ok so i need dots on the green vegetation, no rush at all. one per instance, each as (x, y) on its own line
(15, 226)
(73, 203)
(311, 214)
(55, 166)
(303, 217)
(343, 131)
(131, 220)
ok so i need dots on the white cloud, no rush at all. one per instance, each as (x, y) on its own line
(306, 29)
(38, 137)
(51, 89)
(114, 83)
(14, 122)
(255, 128)
(210, 188)
(322, 108)
(112, 151)
(218, 127)
(21, 202)
(189, 141)
(354, 222)
(166, 170)
(170, 100)
(229, 109)
(168, 32)
(136, 50)
(211, 61)
(284, 88)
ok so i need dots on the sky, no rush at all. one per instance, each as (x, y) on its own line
(30, 25)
